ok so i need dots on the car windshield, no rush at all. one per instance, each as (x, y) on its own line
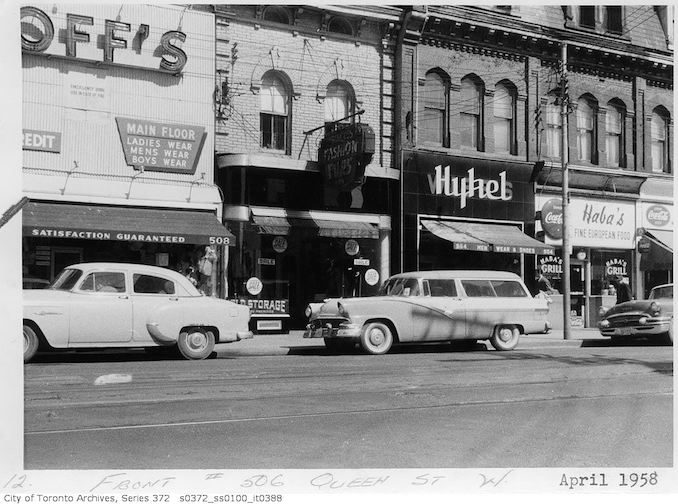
(665, 291)
(66, 279)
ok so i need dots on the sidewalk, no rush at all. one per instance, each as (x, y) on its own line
(282, 344)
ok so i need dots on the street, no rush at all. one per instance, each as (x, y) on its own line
(281, 401)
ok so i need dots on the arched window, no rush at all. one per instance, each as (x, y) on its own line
(276, 14)
(274, 113)
(340, 25)
(339, 101)
(553, 126)
(504, 118)
(614, 133)
(659, 133)
(433, 121)
(471, 113)
(586, 126)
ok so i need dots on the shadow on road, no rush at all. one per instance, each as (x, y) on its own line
(428, 348)
(112, 355)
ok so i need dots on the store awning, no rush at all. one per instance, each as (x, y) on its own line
(104, 222)
(663, 239)
(503, 238)
(282, 225)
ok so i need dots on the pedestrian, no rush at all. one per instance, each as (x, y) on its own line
(623, 289)
(544, 285)
(205, 267)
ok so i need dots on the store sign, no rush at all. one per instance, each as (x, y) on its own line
(161, 147)
(551, 266)
(46, 141)
(254, 286)
(616, 267)
(361, 262)
(371, 277)
(280, 244)
(351, 247)
(82, 37)
(266, 261)
(265, 306)
(658, 216)
(442, 183)
(128, 236)
(344, 153)
(552, 218)
(592, 223)
(644, 245)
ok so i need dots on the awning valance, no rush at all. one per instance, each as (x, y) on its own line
(660, 255)
(105, 222)
(663, 239)
(482, 236)
(282, 225)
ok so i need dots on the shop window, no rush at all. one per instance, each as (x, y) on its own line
(586, 123)
(614, 130)
(147, 284)
(553, 129)
(340, 25)
(275, 113)
(504, 118)
(660, 145)
(339, 101)
(471, 107)
(434, 97)
(276, 14)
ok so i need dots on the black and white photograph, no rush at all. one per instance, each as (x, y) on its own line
(304, 253)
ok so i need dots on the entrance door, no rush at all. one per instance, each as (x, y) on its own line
(577, 293)
(63, 257)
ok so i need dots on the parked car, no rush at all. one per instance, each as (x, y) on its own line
(427, 306)
(34, 283)
(98, 305)
(651, 317)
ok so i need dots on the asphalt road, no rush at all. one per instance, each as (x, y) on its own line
(546, 404)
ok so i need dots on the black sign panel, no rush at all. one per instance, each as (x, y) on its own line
(344, 153)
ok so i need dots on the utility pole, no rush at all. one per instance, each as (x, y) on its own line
(564, 105)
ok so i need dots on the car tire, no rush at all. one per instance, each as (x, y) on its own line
(376, 338)
(31, 343)
(505, 337)
(195, 343)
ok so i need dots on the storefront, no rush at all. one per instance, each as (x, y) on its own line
(305, 230)
(655, 245)
(117, 159)
(467, 213)
(603, 238)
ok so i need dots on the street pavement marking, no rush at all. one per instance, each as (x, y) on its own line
(113, 378)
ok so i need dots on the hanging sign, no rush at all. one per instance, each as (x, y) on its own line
(280, 244)
(254, 286)
(344, 153)
(351, 247)
(371, 277)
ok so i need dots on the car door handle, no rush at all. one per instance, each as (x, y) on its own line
(124, 296)
(174, 299)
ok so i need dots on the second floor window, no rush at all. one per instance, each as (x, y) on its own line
(471, 114)
(587, 16)
(585, 118)
(554, 126)
(660, 144)
(433, 124)
(504, 123)
(614, 19)
(338, 101)
(274, 115)
(614, 140)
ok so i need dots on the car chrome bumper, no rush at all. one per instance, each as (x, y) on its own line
(650, 329)
(343, 331)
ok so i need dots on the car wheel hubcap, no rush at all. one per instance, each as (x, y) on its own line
(26, 343)
(197, 341)
(377, 337)
(505, 335)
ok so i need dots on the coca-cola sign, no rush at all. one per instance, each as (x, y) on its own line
(658, 215)
(552, 218)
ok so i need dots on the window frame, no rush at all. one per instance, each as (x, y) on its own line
(350, 101)
(271, 116)
(442, 108)
(472, 82)
(583, 131)
(512, 94)
(620, 110)
(665, 166)
(553, 129)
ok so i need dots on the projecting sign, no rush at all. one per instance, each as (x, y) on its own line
(46, 141)
(161, 146)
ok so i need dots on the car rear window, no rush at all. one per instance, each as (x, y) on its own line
(442, 288)
(508, 288)
(148, 284)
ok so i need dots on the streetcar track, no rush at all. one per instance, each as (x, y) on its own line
(350, 412)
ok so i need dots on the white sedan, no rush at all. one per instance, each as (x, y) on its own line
(107, 305)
